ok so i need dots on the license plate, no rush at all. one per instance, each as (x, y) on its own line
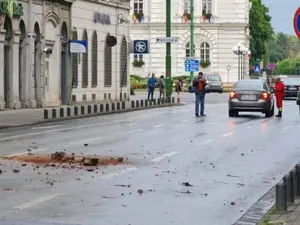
(248, 97)
(292, 89)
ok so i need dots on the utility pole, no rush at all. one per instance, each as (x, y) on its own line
(168, 51)
(192, 35)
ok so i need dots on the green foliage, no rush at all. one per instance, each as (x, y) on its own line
(204, 64)
(260, 29)
(288, 66)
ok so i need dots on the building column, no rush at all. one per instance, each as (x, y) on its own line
(13, 101)
(30, 71)
(2, 39)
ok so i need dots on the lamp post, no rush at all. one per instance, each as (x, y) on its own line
(244, 52)
(168, 50)
(240, 51)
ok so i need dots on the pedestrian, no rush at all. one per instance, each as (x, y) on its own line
(151, 86)
(298, 100)
(178, 89)
(161, 86)
(279, 94)
(199, 84)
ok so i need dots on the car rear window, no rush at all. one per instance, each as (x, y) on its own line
(249, 86)
(213, 77)
(292, 81)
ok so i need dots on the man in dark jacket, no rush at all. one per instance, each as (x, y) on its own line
(199, 84)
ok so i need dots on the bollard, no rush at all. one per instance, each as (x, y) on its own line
(296, 182)
(61, 112)
(150, 102)
(68, 111)
(118, 106)
(158, 101)
(89, 109)
(82, 112)
(297, 191)
(163, 101)
(154, 101)
(113, 106)
(123, 105)
(106, 107)
(290, 187)
(132, 104)
(142, 103)
(173, 100)
(101, 107)
(281, 197)
(75, 110)
(53, 113)
(46, 114)
(95, 108)
(146, 103)
(137, 103)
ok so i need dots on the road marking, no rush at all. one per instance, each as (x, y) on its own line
(159, 125)
(183, 121)
(131, 131)
(227, 134)
(37, 201)
(205, 142)
(213, 123)
(289, 127)
(48, 148)
(131, 124)
(162, 157)
(118, 173)
(46, 127)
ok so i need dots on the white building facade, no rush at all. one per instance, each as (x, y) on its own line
(25, 80)
(101, 74)
(219, 26)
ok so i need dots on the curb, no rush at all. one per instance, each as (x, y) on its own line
(86, 111)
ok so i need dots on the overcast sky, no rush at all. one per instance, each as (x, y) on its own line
(282, 12)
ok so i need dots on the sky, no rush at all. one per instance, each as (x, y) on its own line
(282, 13)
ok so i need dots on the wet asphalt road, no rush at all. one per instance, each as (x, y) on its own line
(231, 163)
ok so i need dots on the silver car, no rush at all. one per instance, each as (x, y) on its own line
(214, 83)
(250, 96)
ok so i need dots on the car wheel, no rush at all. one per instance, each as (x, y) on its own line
(272, 111)
(269, 113)
(233, 113)
(221, 92)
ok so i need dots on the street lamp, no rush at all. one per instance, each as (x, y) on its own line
(240, 51)
(244, 52)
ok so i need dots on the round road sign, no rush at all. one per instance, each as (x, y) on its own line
(297, 22)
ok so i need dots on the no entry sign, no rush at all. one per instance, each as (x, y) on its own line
(297, 22)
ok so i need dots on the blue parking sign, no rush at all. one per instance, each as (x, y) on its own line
(191, 65)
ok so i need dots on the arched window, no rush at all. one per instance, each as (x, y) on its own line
(206, 6)
(123, 64)
(85, 67)
(188, 50)
(107, 64)
(138, 6)
(204, 52)
(74, 63)
(94, 59)
(186, 5)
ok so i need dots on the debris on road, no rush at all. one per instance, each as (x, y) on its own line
(65, 160)
(187, 184)
(140, 191)
(123, 185)
(16, 170)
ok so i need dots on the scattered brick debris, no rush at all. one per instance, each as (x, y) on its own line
(123, 185)
(16, 170)
(187, 184)
(140, 191)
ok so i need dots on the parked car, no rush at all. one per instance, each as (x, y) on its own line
(292, 86)
(250, 96)
(214, 83)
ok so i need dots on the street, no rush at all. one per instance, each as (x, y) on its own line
(175, 168)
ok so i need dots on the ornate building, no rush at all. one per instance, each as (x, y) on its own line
(219, 26)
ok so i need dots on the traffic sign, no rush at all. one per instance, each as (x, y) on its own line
(257, 68)
(167, 39)
(297, 23)
(191, 65)
(139, 47)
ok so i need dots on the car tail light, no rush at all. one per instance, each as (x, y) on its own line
(232, 94)
(265, 95)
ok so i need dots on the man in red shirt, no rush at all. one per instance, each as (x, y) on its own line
(279, 93)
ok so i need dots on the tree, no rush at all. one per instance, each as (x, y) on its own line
(260, 29)
(288, 66)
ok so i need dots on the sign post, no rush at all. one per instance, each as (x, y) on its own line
(192, 36)
(297, 23)
(168, 50)
(228, 68)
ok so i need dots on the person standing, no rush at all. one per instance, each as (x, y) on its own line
(151, 86)
(279, 94)
(161, 86)
(178, 89)
(199, 84)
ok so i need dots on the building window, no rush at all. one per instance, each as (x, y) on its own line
(94, 60)
(206, 6)
(138, 6)
(85, 59)
(205, 52)
(188, 50)
(74, 63)
(186, 5)
(138, 57)
(123, 64)
(107, 64)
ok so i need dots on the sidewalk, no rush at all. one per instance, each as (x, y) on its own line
(292, 217)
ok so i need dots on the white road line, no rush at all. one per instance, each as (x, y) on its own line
(227, 134)
(46, 127)
(159, 125)
(48, 148)
(183, 121)
(118, 173)
(37, 201)
(205, 142)
(131, 131)
(162, 157)
(289, 127)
